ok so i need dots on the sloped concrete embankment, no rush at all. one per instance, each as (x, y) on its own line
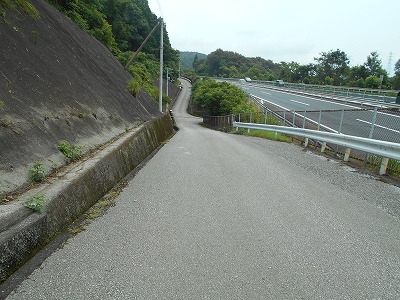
(72, 192)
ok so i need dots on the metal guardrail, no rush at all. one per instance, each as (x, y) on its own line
(361, 96)
(384, 149)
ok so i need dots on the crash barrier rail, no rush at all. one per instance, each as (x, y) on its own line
(316, 135)
(377, 123)
(360, 96)
(384, 149)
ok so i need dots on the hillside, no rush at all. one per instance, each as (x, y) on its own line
(187, 58)
(58, 83)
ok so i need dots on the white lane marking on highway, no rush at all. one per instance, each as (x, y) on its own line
(386, 114)
(266, 93)
(273, 103)
(321, 100)
(300, 102)
(297, 114)
(380, 126)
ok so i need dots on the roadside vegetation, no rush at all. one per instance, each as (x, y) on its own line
(269, 135)
(330, 68)
(37, 172)
(221, 98)
(36, 203)
(17, 6)
(122, 26)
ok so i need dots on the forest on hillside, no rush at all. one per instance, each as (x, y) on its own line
(122, 26)
(330, 68)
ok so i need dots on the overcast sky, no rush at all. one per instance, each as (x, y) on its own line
(284, 30)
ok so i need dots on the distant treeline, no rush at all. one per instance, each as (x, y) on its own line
(331, 68)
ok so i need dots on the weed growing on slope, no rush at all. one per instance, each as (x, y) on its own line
(36, 203)
(37, 172)
(71, 152)
(134, 87)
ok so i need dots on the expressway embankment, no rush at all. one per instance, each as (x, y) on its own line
(72, 191)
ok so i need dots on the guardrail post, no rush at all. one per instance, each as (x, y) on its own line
(304, 120)
(306, 142)
(384, 165)
(347, 154)
(284, 117)
(323, 147)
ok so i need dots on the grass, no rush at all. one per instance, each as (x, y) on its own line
(269, 135)
(393, 168)
(71, 152)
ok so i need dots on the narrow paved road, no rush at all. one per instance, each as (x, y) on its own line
(220, 216)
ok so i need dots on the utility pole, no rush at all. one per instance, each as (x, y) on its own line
(167, 80)
(179, 66)
(161, 64)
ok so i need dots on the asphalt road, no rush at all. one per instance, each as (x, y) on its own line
(221, 216)
(357, 121)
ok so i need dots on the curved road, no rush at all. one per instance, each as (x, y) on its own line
(220, 216)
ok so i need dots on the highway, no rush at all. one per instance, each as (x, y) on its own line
(357, 121)
(222, 216)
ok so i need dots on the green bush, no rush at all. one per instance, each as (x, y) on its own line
(37, 172)
(71, 152)
(220, 98)
(134, 87)
(36, 203)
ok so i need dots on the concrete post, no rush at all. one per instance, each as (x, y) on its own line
(347, 154)
(384, 165)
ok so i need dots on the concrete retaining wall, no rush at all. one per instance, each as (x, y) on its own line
(72, 192)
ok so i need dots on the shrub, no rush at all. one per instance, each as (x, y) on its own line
(134, 87)
(37, 172)
(71, 152)
(36, 203)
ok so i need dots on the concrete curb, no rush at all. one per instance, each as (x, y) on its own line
(72, 192)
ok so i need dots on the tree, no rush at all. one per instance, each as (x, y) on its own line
(372, 82)
(334, 64)
(357, 75)
(396, 78)
(373, 65)
(220, 98)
